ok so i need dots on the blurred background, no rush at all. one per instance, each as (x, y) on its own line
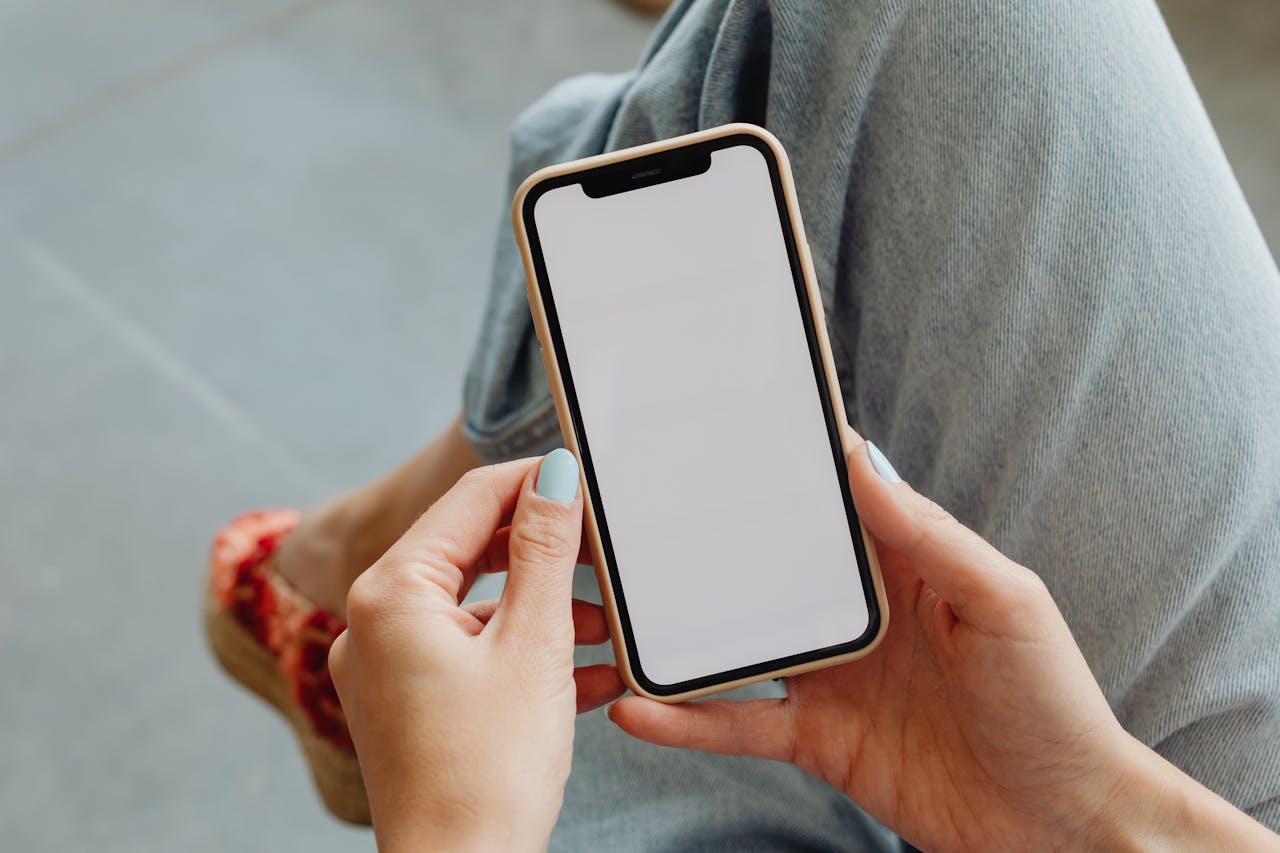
(244, 247)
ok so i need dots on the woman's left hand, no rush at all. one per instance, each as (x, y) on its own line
(463, 716)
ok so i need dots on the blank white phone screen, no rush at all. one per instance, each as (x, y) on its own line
(703, 421)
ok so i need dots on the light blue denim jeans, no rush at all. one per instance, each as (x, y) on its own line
(1049, 304)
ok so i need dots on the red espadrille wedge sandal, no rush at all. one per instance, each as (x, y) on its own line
(275, 642)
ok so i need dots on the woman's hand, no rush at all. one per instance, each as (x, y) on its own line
(975, 725)
(463, 716)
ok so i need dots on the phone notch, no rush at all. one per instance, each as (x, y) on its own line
(647, 172)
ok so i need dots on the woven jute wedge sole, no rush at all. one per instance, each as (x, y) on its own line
(335, 771)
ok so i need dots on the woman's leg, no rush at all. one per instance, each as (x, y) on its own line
(276, 599)
(336, 541)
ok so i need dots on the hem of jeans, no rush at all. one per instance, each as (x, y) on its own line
(503, 445)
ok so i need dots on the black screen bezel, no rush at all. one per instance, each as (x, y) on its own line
(675, 164)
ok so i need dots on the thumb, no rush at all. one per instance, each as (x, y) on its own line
(546, 529)
(761, 728)
(982, 585)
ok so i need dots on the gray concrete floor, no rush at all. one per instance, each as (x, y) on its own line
(242, 255)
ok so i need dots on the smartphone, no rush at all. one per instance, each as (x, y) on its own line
(684, 341)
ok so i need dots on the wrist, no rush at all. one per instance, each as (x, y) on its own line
(1155, 806)
(1140, 806)
(481, 825)
(422, 836)
(472, 835)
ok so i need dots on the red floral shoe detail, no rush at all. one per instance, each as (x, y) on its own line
(275, 642)
(306, 663)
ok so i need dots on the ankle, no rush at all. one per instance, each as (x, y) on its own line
(318, 557)
(335, 542)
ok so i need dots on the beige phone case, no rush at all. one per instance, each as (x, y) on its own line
(566, 421)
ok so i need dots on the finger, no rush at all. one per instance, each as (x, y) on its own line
(967, 572)
(546, 531)
(495, 556)
(590, 627)
(446, 542)
(759, 727)
(337, 662)
(597, 685)
(482, 610)
(494, 559)
(585, 557)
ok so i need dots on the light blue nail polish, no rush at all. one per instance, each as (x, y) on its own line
(558, 476)
(882, 465)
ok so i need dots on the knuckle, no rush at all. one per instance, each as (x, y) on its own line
(934, 514)
(337, 660)
(691, 736)
(441, 573)
(438, 548)
(1004, 604)
(541, 540)
(929, 532)
(477, 479)
(479, 474)
(365, 599)
(1031, 587)
(1017, 593)
(929, 524)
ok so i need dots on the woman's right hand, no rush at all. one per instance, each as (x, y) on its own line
(975, 724)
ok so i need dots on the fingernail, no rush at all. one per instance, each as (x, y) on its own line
(882, 465)
(558, 476)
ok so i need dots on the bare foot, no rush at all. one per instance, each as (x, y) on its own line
(335, 542)
(318, 557)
